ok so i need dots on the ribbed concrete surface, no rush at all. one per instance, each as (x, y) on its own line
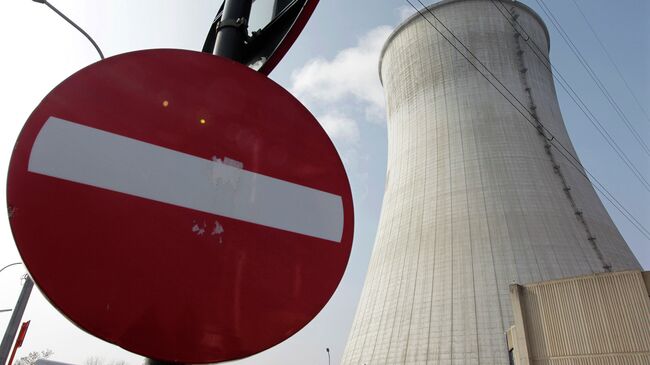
(473, 200)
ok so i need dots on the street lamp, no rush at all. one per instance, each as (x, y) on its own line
(101, 55)
(15, 263)
(329, 361)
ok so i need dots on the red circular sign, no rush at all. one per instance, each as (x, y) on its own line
(180, 205)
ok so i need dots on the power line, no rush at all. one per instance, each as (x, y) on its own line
(573, 160)
(601, 129)
(594, 76)
(493, 76)
(611, 59)
(557, 75)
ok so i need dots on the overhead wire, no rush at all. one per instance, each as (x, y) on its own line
(573, 161)
(611, 60)
(566, 86)
(493, 76)
(592, 74)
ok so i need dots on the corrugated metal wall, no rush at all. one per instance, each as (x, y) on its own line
(592, 320)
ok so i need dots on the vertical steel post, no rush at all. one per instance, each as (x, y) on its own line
(16, 316)
(232, 30)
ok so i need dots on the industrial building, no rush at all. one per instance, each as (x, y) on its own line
(481, 189)
(598, 319)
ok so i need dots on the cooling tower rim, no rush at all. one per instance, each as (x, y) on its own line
(439, 4)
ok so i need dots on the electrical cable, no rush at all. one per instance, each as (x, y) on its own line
(550, 140)
(611, 59)
(557, 75)
(600, 187)
(491, 74)
(573, 160)
(593, 76)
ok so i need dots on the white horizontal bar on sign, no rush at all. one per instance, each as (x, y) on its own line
(89, 156)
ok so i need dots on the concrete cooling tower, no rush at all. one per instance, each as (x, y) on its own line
(477, 197)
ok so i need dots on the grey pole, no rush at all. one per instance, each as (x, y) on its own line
(232, 30)
(14, 322)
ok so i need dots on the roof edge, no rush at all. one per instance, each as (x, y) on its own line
(439, 4)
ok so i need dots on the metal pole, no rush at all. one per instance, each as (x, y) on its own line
(232, 30)
(329, 360)
(14, 322)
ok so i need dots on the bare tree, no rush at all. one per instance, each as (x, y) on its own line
(94, 360)
(31, 358)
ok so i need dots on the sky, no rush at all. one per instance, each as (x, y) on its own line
(332, 69)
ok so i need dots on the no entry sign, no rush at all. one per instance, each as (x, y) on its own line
(180, 205)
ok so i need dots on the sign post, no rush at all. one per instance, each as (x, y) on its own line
(232, 29)
(16, 315)
(267, 45)
(19, 341)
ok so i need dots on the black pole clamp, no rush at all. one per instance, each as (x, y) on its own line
(230, 23)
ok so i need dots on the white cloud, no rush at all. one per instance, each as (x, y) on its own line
(352, 75)
(343, 92)
(340, 128)
(405, 11)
